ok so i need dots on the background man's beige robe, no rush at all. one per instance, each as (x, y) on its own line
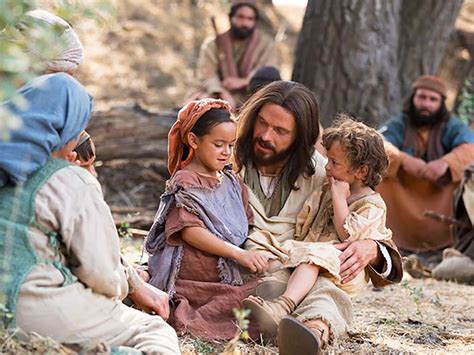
(208, 63)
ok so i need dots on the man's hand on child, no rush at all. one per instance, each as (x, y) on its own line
(253, 260)
(355, 257)
(339, 189)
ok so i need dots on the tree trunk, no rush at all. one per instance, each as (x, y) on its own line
(346, 55)
(456, 65)
(362, 55)
(425, 28)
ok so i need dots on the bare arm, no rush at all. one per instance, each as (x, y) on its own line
(340, 192)
(204, 240)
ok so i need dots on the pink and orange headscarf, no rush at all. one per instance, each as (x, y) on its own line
(178, 135)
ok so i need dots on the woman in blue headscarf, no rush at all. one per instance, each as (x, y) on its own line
(57, 109)
(61, 273)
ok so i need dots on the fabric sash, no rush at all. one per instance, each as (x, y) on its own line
(226, 57)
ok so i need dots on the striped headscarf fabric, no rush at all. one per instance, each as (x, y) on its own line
(68, 53)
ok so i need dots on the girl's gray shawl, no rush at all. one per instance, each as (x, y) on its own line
(222, 211)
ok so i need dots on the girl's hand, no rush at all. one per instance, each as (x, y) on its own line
(253, 261)
(339, 189)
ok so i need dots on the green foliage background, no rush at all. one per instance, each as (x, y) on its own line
(464, 108)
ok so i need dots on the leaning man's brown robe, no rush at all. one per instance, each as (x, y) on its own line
(408, 197)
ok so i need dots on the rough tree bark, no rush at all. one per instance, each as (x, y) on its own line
(345, 55)
(457, 64)
(349, 52)
(425, 29)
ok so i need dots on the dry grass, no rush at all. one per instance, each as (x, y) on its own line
(18, 342)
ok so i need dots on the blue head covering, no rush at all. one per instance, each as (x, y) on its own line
(58, 109)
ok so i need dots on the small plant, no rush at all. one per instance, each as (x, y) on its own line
(123, 230)
(5, 315)
(241, 334)
(202, 347)
(416, 293)
(436, 301)
(464, 107)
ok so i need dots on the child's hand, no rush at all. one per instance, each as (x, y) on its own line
(253, 261)
(339, 189)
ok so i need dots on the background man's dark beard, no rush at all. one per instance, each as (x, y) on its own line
(241, 33)
(426, 120)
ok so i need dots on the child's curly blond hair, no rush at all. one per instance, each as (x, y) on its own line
(362, 144)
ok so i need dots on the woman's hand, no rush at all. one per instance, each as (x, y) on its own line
(151, 300)
(252, 260)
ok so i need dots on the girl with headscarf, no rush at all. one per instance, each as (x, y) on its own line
(61, 272)
(202, 221)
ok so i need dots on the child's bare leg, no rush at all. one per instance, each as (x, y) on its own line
(301, 281)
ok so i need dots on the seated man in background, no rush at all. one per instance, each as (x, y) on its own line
(428, 150)
(458, 262)
(227, 62)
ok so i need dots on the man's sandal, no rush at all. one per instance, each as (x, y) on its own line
(268, 314)
(296, 338)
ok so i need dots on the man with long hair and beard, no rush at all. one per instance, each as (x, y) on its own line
(428, 150)
(276, 157)
(228, 60)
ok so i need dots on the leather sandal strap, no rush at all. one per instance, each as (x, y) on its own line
(287, 302)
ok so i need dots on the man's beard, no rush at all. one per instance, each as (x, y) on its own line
(272, 159)
(241, 33)
(425, 120)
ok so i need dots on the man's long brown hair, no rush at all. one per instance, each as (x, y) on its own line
(302, 104)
